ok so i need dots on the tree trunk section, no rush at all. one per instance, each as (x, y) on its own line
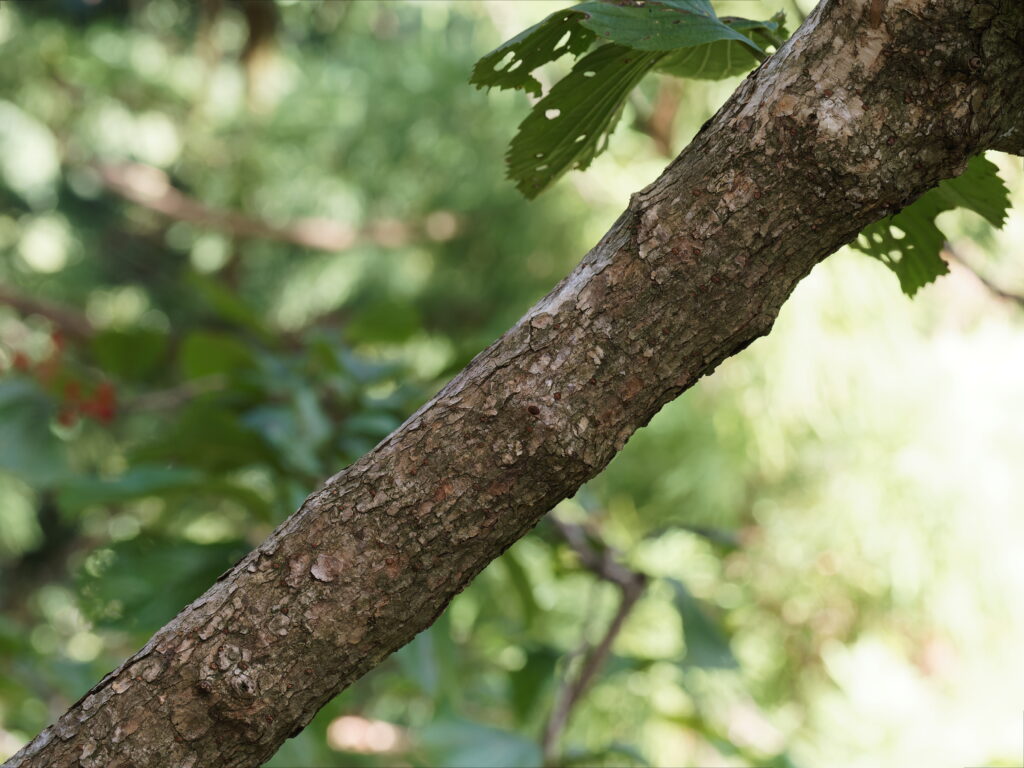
(856, 116)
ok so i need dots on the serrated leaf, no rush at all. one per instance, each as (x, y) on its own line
(510, 64)
(980, 189)
(665, 25)
(570, 126)
(909, 243)
(725, 58)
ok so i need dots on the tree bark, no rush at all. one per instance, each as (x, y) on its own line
(866, 107)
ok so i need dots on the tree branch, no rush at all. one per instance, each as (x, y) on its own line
(151, 188)
(74, 324)
(605, 566)
(838, 128)
(954, 255)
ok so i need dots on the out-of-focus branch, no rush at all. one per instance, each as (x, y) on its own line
(74, 324)
(604, 565)
(953, 255)
(173, 397)
(151, 188)
(658, 124)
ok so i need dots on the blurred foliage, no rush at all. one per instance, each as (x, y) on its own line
(829, 525)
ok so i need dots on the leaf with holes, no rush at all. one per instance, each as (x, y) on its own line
(571, 125)
(909, 243)
(510, 64)
(660, 25)
(726, 58)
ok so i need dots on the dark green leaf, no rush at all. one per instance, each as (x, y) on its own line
(140, 584)
(133, 354)
(571, 125)
(660, 26)
(615, 754)
(520, 582)
(529, 684)
(208, 437)
(208, 354)
(390, 321)
(463, 744)
(706, 644)
(510, 64)
(910, 242)
(136, 482)
(28, 449)
(227, 305)
(724, 58)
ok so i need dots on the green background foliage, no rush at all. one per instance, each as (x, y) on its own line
(828, 526)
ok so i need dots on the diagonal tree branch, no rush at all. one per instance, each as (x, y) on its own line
(846, 123)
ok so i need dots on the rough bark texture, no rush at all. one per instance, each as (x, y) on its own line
(856, 116)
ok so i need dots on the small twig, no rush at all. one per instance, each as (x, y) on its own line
(604, 565)
(953, 255)
(656, 120)
(175, 396)
(71, 322)
(151, 188)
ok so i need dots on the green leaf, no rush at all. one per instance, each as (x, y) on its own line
(529, 684)
(227, 306)
(725, 58)
(706, 644)
(139, 481)
(510, 64)
(384, 322)
(666, 25)
(134, 354)
(615, 754)
(208, 354)
(571, 125)
(140, 584)
(519, 579)
(28, 449)
(206, 436)
(909, 243)
(463, 744)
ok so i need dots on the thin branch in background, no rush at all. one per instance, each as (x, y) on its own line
(72, 323)
(604, 565)
(174, 397)
(657, 120)
(151, 188)
(953, 255)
